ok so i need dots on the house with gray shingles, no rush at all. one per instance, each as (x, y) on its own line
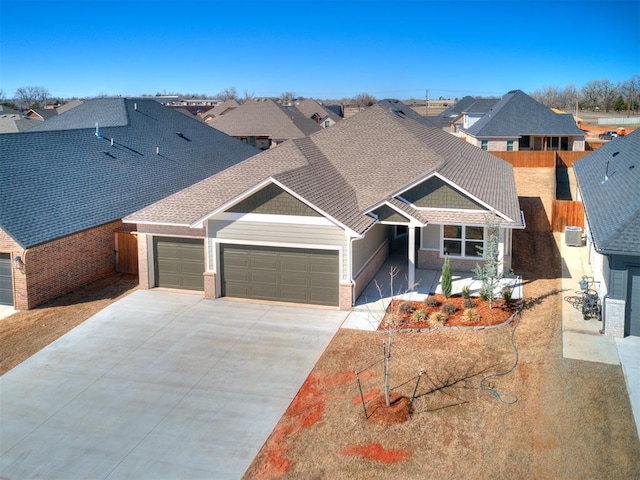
(313, 220)
(316, 112)
(464, 113)
(609, 187)
(518, 122)
(264, 124)
(65, 186)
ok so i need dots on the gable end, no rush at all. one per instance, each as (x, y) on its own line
(273, 200)
(436, 193)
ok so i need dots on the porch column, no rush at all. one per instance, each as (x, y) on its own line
(411, 249)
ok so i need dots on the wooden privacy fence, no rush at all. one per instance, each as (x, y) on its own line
(537, 159)
(127, 252)
(528, 159)
(566, 213)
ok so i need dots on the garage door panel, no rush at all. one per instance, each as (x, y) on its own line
(262, 277)
(280, 274)
(179, 263)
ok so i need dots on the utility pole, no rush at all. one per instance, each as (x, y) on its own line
(426, 107)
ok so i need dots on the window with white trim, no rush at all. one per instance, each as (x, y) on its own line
(462, 241)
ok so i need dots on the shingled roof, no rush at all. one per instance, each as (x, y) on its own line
(349, 169)
(265, 118)
(609, 182)
(517, 114)
(64, 178)
(310, 108)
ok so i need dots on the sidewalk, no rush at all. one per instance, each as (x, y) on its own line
(582, 340)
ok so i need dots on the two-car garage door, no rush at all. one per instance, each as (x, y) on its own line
(280, 274)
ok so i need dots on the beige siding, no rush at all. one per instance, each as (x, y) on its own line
(431, 237)
(365, 248)
(284, 234)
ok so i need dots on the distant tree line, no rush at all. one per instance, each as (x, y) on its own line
(594, 95)
(602, 95)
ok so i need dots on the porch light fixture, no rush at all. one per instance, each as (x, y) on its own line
(17, 261)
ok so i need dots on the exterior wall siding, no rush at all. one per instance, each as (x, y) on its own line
(289, 234)
(274, 200)
(363, 250)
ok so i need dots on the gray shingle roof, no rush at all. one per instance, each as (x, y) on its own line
(612, 206)
(516, 114)
(350, 168)
(57, 182)
(265, 118)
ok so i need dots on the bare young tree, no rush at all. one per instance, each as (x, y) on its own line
(31, 97)
(286, 98)
(364, 100)
(228, 93)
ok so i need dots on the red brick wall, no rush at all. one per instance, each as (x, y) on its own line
(60, 266)
(8, 245)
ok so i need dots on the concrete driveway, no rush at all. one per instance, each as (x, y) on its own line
(159, 385)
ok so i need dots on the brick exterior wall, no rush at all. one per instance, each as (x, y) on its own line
(210, 290)
(614, 317)
(345, 296)
(430, 260)
(58, 267)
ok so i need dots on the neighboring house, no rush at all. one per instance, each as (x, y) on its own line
(313, 220)
(41, 113)
(65, 186)
(264, 124)
(220, 109)
(16, 122)
(609, 187)
(452, 118)
(518, 122)
(317, 112)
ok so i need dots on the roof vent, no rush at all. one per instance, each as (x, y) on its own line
(98, 134)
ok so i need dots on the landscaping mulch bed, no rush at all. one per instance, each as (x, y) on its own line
(416, 315)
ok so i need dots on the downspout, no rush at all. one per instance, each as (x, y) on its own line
(603, 314)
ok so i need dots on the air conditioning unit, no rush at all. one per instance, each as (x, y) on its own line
(573, 236)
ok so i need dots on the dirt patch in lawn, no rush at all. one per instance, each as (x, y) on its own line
(29, 331)
(570, 419)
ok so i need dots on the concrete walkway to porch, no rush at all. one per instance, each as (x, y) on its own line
(370, 306)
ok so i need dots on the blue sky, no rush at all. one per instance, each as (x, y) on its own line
(315, 48)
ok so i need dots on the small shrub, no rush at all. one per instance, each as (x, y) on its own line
(468, 303)
(465, 292)
(437, 319)
(446, 278)
(507, 294)
(406, 308)
(448, 308)
(485, 293)
(431, 301)
(470, 315)
(418, 315)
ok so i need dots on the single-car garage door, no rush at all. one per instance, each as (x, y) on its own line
(280, 274)
(6, 285)
(179, 263)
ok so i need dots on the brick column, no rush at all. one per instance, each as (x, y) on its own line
(210, 285)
